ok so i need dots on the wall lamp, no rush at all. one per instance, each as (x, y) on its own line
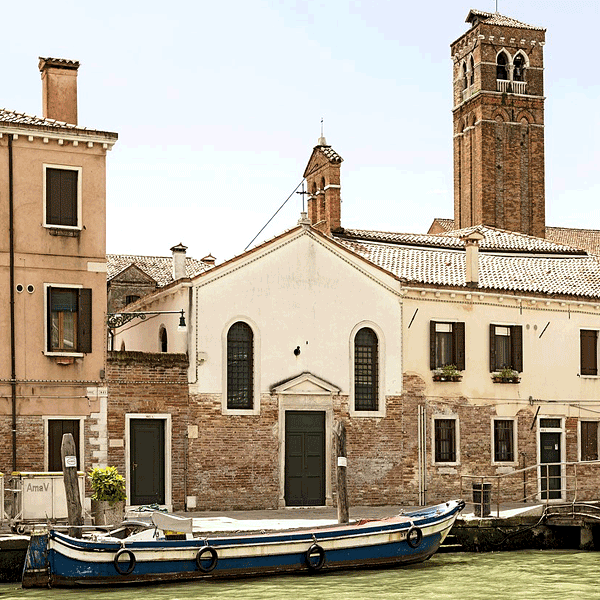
(116, 320)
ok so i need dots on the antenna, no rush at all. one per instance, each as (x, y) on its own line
(496, 5)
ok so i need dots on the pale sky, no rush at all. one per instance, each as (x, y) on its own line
(218, 107)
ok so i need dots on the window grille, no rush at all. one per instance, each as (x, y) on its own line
(366, 370)
(240, 366)
(445, 440)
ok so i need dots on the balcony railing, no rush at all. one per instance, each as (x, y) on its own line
(510, 87)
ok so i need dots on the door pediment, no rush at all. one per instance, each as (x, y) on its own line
(306, 384)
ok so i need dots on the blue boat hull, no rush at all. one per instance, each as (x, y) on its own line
(55, 559)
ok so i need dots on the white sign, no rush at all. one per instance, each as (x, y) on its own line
(70, 461)
(342, 461)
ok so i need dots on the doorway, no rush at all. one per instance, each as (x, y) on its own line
(304, 458)
(147, 461)
(550, 459)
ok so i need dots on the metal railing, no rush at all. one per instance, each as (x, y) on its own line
(540, 483)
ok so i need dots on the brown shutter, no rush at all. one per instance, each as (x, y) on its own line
(589, 352)
(516, 340)
(492, 348)
(68, 197)
(49, 318)
(84, 321)
(458, 340)
(53, 196)
(432, 345)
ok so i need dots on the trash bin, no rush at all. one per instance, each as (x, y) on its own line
(482, 499)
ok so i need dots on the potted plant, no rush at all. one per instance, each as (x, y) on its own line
(108, 497)
(506, 375)
(447, 373)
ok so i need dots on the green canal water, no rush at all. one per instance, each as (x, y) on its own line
(527, 575)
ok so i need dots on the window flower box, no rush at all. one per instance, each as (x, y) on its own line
(506, 375)
(447, 373)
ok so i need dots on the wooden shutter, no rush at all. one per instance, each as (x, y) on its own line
(84, 321)
(516, 340)
(56, 430)
(61, 197)
(589, 352)
(432, 345)
(492, 348)
(49, 319)
(458, 340)
(589, 440)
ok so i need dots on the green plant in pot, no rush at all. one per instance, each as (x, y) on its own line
(108, 497)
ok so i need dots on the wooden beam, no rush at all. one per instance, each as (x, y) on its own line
(68, 455)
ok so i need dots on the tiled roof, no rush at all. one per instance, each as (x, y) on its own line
(331, 154)
(584, 239)
(565, 275)
(160, 268)
(11, 117)
(495, 240)
(498, 19)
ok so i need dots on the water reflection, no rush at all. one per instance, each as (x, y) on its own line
(527, 575)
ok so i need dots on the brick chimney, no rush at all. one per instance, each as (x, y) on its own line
(59, 89)
(472, 258)
(179, 261)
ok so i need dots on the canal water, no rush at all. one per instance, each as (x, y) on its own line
(526, 575)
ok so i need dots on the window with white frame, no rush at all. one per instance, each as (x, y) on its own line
(506, 347)
(447, 345)
(62, 196)
(504, 440)
(69, 319)
(240, 366)
(445, 439)
(366, 370)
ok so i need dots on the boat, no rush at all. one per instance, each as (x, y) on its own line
(167, 549)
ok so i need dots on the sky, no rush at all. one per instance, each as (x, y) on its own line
(219, 104)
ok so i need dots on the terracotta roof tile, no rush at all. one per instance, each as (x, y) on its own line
(498, 19)
(570, 275)
(160, 268)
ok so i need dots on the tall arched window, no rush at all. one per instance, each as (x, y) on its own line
(502, 66)
(519, 70)
(162, 338)
(472, 73)
(366, 376)
(240, 366)
(465, 79)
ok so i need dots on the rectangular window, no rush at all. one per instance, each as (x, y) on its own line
(589, 440)
(56, 429)
(69, 320)
(445, 440)
(62, 197)
(504, 440)
(589, 351)
(447, 345)
(506, 347)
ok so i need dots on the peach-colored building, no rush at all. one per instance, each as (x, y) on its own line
(52, 278)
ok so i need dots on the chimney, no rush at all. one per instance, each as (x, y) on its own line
(59, 89)
(472, 257)
(179, 270)
(209, 260)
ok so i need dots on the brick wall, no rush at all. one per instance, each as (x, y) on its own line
(147, 383)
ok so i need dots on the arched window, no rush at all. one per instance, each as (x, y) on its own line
(519, 70)
(240, 366)
(502, 66)
(366, 379)
(465, 79)
(162, 338)
(472, 69)
(322, 183)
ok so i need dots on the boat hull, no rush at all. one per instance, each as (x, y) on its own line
(56, 560)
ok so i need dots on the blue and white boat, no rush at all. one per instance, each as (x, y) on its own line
(154, 554)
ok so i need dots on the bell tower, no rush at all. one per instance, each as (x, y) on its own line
(498, 125)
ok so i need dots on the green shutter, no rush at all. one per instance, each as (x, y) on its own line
(492, 348)
(84, 321)
(432, 345)
(516, 338)
(458, 339)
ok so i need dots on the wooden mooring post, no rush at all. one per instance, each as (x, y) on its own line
(68, 455)
(339, 431)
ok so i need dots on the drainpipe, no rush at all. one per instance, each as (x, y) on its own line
(13, 361)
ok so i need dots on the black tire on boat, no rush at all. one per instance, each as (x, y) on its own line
(414, 537)
(213, 556)
(129, 566)
(317, 550)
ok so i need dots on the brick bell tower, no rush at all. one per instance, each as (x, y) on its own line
(322, 176)
(499, 125)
